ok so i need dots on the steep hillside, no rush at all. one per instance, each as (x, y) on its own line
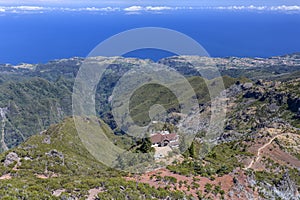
(28, 107)
(35, 96)
(32, 98)
(256, 156)
(55, 165)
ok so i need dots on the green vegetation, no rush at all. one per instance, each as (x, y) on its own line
(221, 160)
(133, 190)
(34, 100)
(294, 175)
(59, 155)
(152, 94)
(146, 146)
(264, 176)
(32, 106)
(64, 153)
(110, 188)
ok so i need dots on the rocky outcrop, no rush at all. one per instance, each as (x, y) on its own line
(273, 107)
(255, 93)
(247, 86)
(271, 93)
(55, 153)
(233, 90)
(11, 158)
(285, 189)
(47, 140)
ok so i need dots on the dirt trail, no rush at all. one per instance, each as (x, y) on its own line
(257, 157)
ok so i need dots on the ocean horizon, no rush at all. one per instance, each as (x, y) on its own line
(41, 37)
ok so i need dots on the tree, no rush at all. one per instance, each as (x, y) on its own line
(192, 151)
(208, 187)
(182, 144)
(146, 146)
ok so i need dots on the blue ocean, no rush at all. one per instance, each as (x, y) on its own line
(40, 37)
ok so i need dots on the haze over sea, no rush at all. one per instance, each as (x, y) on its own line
(40, 37)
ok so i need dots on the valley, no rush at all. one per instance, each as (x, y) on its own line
(255, 156)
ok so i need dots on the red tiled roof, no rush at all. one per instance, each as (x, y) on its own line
(158, 138)
(170, 137)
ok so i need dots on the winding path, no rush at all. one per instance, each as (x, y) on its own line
(257, 157)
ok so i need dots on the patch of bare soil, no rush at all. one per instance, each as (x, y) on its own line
(93, 193)
(273, 151)
(58, 192)
(282, 157)
(190, 185)
(5, 177)
(43, 176)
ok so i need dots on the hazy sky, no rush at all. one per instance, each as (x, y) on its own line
(150, 2)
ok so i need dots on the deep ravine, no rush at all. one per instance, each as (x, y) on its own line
(3, 112)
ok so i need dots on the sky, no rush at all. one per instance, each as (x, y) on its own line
(77, 3)
(41, 6)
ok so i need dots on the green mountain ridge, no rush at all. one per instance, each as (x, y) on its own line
(49, 159)
(56, 160)
(33, 104)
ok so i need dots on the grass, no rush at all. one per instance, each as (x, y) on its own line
(77, 170)
(151, 94)
(221, 160)
(33, 106)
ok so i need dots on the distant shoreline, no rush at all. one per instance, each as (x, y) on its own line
(19, 65)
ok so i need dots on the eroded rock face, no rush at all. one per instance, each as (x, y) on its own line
(47, 140)
(286, 188)
(11, 158)
(55, 153)
(256, 94)
(247, 86)
(72, 197)
(273, 107)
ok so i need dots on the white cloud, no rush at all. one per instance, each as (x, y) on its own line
(140, 9)
(94, 9)
(158, 8)
(110, 9)
(286, 8)
(39, 9)
(148, 8)
(23, 9)
(259, 8)
(29, 8)
(133, 9)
